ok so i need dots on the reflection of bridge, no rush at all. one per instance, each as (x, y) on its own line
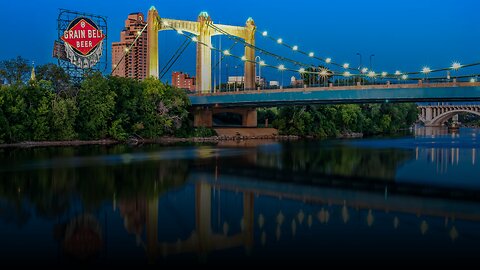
(328, 205)
(435, 116)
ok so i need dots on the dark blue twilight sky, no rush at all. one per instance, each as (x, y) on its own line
(404, 35)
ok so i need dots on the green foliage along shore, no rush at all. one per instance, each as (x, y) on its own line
(100, 107)
(335, 120)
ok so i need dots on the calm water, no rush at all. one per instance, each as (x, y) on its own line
(413, 197)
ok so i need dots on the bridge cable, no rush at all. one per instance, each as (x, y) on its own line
(129, 48)
(174, 57)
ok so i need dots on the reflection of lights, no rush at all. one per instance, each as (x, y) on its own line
(225, 228)
(370, 218)
(345, 214)
(396, 222)
(294, 227)
(261, 221)
(323, 216)
(280, 218)
(278, 233)
(453, 233)
(424, 227)
(263, 238)
(301, 217)
(310, 221)
(242, 224)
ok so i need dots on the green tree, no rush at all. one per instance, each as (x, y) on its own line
(64, 115)
(55, 74)
(96, 103)
(15, 70)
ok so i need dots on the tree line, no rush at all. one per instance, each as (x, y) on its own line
(53, 108)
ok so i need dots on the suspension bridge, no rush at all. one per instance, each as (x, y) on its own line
(329, 80)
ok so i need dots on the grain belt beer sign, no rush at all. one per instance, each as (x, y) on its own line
(83, 42)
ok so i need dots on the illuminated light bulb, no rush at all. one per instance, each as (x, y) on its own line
(324, 72)
(346, 65)
(347, 74)
(384, 74)
(281, 67)
(364, 70)
(279, 41)
(139, 33)
(302, 70)
(262, 63)
(328, 60)
(456, 66)
(244, 58)
(180, 32)
(398, 73)
(311, 54)
(194, 39)
(404, 76)
(295, 48)
(127, 50)
(426, 70)
(265, 33)
(372, 74)
(226, 52)
(472, 80)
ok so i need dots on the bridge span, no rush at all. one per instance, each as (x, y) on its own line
(245, 103)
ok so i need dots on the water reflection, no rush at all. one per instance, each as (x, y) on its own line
(275, 202)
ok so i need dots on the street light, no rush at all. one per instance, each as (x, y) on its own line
(259, 62)
(281, 68)
(360, 66)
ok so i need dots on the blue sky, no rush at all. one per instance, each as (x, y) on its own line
(404, 35)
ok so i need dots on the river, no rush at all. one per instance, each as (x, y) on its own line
(412, 197)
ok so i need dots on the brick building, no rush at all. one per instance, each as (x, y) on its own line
(134, 65)
(183, 81)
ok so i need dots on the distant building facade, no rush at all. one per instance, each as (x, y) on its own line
(241, 79)
(134, 65)
(183, 81)
(295, 82)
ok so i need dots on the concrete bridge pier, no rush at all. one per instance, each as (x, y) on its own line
(203, 117)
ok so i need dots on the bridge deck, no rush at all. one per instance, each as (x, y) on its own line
(342, 94)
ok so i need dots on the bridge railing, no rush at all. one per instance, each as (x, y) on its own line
(331, 86)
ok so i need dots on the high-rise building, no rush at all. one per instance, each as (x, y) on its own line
(134, 65)
(183, 81)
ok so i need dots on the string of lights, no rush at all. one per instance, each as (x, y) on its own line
(425, 70)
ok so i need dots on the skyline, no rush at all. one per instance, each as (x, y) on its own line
(443, 33)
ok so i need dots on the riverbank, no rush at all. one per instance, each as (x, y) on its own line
(163, 140)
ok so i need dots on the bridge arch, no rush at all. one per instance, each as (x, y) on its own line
(204, 29)
(440, 119)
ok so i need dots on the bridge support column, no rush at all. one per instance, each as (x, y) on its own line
(250, 55)
(249, 117)
(204, 54)
(203, 117)
(152, 48)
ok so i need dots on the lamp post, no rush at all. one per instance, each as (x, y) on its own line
(259, 71)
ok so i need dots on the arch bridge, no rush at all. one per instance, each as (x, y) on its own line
(435, 116)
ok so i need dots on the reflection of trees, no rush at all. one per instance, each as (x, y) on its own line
(337, 160)
(51, 192)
